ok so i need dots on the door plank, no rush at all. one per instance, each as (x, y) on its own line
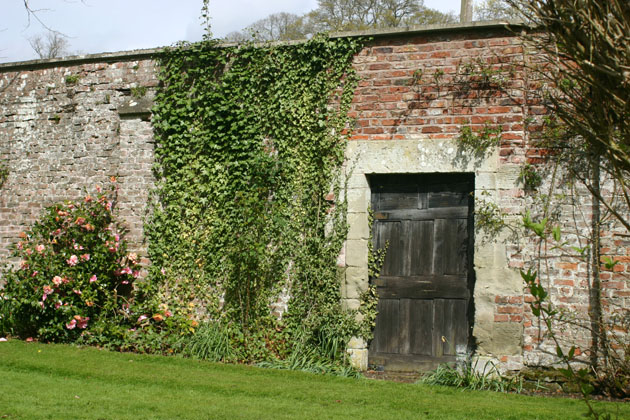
(421, 247)
(441, 239)
(438, 327)
(422, 287)
(422, 214)
(389, 234)
(404, 326)
(421, 327)
(388, 320)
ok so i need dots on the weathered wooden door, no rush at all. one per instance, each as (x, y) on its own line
(425, 284)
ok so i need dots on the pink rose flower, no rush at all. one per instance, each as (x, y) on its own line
(70, 325)
(126, 270)
(77, 292)
(58, 304)
(72, 261)
(40, 248)
(35, 273)
(93, 279)
(82, 322)
(142, 318)
(57, 280)
(85, 257)
(47, 290)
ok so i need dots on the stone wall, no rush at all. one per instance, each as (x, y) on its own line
(67, 125)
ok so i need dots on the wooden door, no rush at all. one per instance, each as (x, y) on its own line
(425, 284)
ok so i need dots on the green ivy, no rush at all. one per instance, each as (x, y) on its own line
(250, 141)
(4, 172)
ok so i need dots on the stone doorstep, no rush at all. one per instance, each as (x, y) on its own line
(403, 377)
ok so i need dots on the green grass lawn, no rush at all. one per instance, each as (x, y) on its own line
(40, 381)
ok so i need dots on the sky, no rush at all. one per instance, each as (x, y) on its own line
(96, 26)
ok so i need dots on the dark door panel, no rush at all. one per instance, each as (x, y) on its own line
(425, 284)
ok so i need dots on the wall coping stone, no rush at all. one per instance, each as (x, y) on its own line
(148, 53)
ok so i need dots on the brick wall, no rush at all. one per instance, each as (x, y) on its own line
(60, 137)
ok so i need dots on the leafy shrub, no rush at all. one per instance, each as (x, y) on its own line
(326, 355)
(210, 342)
(74, 271)
(469, 377)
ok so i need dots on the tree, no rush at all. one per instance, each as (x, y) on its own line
(342, 15)
(582, 64)
(275, 27)
(50, 45)
(346, 15)
(33, 13)
(586, 69)
(495, 10)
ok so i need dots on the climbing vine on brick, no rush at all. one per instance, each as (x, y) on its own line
(250, 142)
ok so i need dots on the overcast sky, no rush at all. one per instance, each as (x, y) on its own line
(95, 26)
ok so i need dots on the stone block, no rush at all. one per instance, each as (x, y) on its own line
(356, 282)
(358, 359)
(358, 200)
(358, 226)
(350, 304)
(357, 253)
(357, 343)
(499, 339)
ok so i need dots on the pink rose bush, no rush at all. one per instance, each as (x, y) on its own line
(74, 272)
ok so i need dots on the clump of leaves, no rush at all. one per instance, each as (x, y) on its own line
(139, 91)
(530, 177)
(4, 173)
(74, 270)
(471, 376)
(481, 141)
(72, 79)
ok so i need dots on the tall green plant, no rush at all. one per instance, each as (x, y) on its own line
(250, 140)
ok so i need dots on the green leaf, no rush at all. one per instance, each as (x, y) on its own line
(556, 233)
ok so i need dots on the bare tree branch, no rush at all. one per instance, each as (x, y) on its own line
(50, 45)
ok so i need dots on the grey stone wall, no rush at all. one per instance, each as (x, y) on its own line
(61, 133)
